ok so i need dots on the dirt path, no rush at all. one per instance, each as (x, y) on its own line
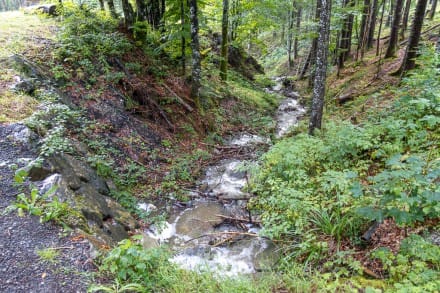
(21, 269)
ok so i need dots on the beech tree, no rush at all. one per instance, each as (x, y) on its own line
(321, 66)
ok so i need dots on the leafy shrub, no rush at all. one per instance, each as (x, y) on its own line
(87, 39)
(386, 167)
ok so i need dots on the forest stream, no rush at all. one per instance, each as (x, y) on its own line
(216, 232)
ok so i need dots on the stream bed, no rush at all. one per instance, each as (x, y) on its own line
(216, 232)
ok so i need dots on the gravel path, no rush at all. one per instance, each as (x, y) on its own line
(21, 269)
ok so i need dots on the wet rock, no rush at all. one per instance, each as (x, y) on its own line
(200, 220)
(149, 242)
(84, 190)
(25, 86)
(267, 255)
(20, 133)
(37, 170)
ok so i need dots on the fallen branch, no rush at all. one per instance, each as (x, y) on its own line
(181, 101)
(238, 219)
(224, 233)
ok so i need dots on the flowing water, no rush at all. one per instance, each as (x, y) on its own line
(216, 232)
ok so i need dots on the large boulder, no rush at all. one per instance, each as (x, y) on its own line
(86, 193)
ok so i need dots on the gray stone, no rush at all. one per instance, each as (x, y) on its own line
(200, 220)
(26, 86)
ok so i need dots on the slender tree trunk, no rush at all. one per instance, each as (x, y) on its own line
(224, 45)
(405, 19)
(101, 5)
(437, 46)
(321, 67)
(111, 7)
(128, 13)
(390, 14)
(364, 28)
(409, 62)
(154, 13)
(182, 37)
(392, 45)
(433, 8)
(346, 33)
(141, 10)
(372, 25)
(297, 30)
(196, 57)
(313, 51)
(380, 27)
(289, 45)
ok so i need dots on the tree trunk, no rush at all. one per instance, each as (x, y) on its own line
(128, 13)
(405, 19)
(409, 62)
(364, 28)
(141, 10)
(154, 13)
(390, 14)
(235, 19)
(298, 27)
(196, 57)
(182, 37)
(101, 5)
(372, 25)
(392, 45)
(433, 8)
(224, 45)
(380, 27)
(345, 39)
(321, 68)
(111, 7)
(437, 46)
(289, 45)
(313, 51)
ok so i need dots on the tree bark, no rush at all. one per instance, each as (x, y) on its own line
(364, 28)
(390, 14)
(409, 62)
(437, 46)
(298, 27)
(111, 7)
(196, 57)
(128, 13)
(380, 27)
(345, 39)
(372, 25)
(321, 67)
(433, 8)
(405, 19)
(182, 37)
(224, 45)
(141, 10)
(392, 45)
(313, 51)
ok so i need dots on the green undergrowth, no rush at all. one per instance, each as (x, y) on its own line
(329, 186)
(131, 266)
